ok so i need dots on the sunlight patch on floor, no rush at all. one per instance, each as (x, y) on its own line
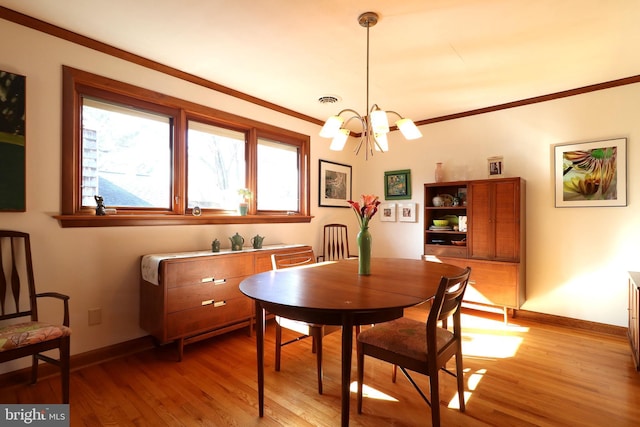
(490, 346)
(371, 393)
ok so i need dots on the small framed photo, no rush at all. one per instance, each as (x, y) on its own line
(335, 184)
(495, 166)
(397, 185)
(387, 212)
(591, 174)
(407, 212)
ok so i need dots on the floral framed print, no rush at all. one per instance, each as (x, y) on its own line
(591, 173)
(335, 185)
(387, 212)
(407, 212)
(397, 185)
(12, 142)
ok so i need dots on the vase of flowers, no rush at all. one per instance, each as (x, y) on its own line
(365, 212)
(245, 197)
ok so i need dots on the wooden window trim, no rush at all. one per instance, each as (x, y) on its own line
(77, 83)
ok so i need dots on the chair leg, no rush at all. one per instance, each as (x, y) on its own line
(460, 379)
(34, 369)
(318, 332)
(65, 368)
(360, 362)
(435, 398)
(278, 345)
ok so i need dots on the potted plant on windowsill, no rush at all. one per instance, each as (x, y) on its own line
(245, 197)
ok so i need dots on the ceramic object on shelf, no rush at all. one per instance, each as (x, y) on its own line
(439, 173)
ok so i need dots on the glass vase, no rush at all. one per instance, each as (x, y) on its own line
(439, 174)
(364, 251)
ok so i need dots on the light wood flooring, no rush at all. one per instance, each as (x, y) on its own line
(520, 374)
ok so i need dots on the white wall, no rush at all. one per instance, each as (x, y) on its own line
(576, 258)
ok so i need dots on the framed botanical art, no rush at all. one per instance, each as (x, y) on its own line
(387, 212)
(397, 185)
(12, 142)
(407, 212)
(591, 173)
(335, 184)
(495, 167)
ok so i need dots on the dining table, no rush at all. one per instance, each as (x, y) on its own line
(333, 293)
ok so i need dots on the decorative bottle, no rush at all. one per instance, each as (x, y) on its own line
(439, 174)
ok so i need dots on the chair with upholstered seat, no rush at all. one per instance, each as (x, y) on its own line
(335, 243)
(21, 332)
(306, 330)
(419, 347)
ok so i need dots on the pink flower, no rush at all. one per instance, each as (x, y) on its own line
(367, 211)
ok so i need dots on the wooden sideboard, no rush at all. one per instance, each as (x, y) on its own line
(196, 296)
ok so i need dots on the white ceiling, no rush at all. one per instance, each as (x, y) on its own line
(429, 58)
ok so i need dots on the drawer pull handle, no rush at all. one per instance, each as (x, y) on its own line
(219, 303)
(220, 282)
(207, 279)
(207, 302)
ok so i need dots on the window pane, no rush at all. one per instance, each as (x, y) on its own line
(216, 166)
(278, 176)
(126, 156)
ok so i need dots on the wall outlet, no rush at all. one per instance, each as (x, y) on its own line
(95, 316)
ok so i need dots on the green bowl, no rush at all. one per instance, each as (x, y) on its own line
(440, 222)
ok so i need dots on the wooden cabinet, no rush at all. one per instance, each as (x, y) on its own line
(634, 316)
(197, 295)
(495, 207)
(495, 237)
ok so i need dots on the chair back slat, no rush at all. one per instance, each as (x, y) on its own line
(292, 259)
(335, 242)
(448, 299)
(17, 288)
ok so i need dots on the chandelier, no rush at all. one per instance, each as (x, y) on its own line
(375, 125)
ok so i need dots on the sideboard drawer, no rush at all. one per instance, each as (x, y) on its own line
(202, 318)
(190, 271)
(194, 296)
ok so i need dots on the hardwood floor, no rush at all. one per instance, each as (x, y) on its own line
(520, 374)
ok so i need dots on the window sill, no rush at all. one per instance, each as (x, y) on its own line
(68, 221)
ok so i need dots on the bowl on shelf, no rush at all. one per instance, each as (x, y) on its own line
(440, 222)
(462, 242)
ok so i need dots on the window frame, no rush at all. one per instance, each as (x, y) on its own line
(78, 84)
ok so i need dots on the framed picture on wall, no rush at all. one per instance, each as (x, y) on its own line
(12, 142)
(397, 185)
(335, 185)
(387, 212)
(495, 167)
(591, 173)
(407, 212)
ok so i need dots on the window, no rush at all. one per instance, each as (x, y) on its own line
(154, 158)
(126, 156)
(216, 166)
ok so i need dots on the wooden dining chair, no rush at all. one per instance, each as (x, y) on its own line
(419, 347)
(306, 330)
(21, 332)
(335, 243)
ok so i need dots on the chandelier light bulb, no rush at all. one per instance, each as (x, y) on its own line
(331, 127)
(339, 140)
(409, 129)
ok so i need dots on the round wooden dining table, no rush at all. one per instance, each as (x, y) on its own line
(333, 293)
